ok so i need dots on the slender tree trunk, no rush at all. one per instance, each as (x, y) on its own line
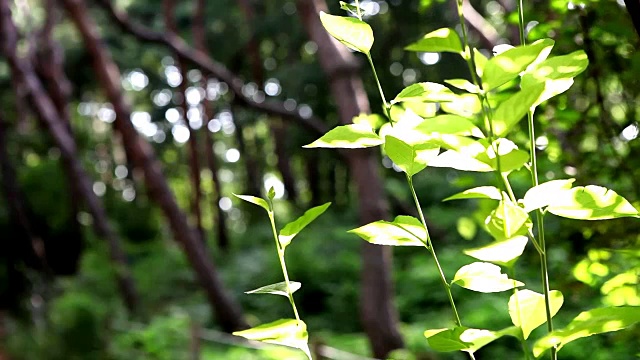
(379, 315)
(200, 40)
(278, 129)
(194, 161)
(22, 70)
(143, 157)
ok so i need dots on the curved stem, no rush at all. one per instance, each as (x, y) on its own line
(429, 245)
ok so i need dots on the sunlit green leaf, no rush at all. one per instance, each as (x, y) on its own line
(484, 277)
(402, 231)
(374, 121)
(352, 32)
(511, 158)
(558, 67)
(512, 110)
(459, 161)
(462, 338)
(480, 60)
(480, 192)
(509, 64)
(352, 9)
(446, 340)
(528, 311)
(287, 332)
(449, 124)
(277, 288)
(425, 91)
(596, 321)
(254, 200)
(441, 40)
(591, 203)
(544, 194)
(352, 136)
(503, 252)
(410, 158)
(293, 228)
(507, 220)
(463, 84)
(553, 88)
(465, 105)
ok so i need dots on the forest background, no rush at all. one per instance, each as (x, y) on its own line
(127, 126)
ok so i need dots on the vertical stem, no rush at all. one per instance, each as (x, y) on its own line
(544, 272)
(283, 265)
(429, 245)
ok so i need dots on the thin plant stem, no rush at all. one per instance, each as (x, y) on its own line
(544, 271)
(283, 265)
(429, 244)
(384, 99)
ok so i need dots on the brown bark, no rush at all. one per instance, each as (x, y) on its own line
(194, 161)
(22, 70)
(278, 130)
(379, 315)
(220, 221)
(143, 157)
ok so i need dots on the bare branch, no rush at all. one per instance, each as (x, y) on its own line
(208, 65)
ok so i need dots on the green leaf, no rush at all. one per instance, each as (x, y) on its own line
(410, 158)
(441, 40)
(466, 105)
(402, 231)
(484, 277)
(508, 65)
(511, 158)
(446, 340)
(528, 311)
(254, 200)
(544, 194)
(352, 9)
(459, 161)
(596, 321)
(557, 67)
(277, 288)
(553, 88)
(463, 84)
(425, 91)
(373, 121)
(449, 124)
(506, 220)
(503, 252)
(512, 110)
(293, 228)
(480, 61)
(352, 136)
(463, 338)
(352, 32)
(480, 192)
(287, 332)
(591, 203)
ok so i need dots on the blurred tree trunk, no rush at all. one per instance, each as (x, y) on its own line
(252, 167)
(194, 160)
(23, 71)
(277, 127)
(200, 40)
(228, 312)
(379, 315)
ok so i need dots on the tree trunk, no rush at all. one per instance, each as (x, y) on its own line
(379, 315)
(200, 40)
(143, 157)
(22, 70)
(194, 162)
